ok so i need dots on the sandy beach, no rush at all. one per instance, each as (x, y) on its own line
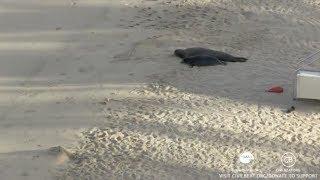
(90, 89)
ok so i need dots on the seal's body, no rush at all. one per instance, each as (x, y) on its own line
(202, 60)
(198, 51)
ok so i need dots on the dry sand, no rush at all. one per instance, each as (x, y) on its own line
(98, 77)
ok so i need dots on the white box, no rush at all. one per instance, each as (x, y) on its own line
(308, 85)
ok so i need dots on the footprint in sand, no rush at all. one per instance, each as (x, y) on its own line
(86, 69)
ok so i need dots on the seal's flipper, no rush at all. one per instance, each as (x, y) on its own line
(222, 62)
(240, 59)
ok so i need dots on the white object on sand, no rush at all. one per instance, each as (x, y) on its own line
(308, 81)
(308, 85)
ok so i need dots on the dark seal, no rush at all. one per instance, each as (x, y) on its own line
(198, 51)
(202, 60)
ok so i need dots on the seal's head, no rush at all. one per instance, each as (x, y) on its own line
(180, 53)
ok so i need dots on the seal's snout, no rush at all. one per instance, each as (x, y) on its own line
(180, 53)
